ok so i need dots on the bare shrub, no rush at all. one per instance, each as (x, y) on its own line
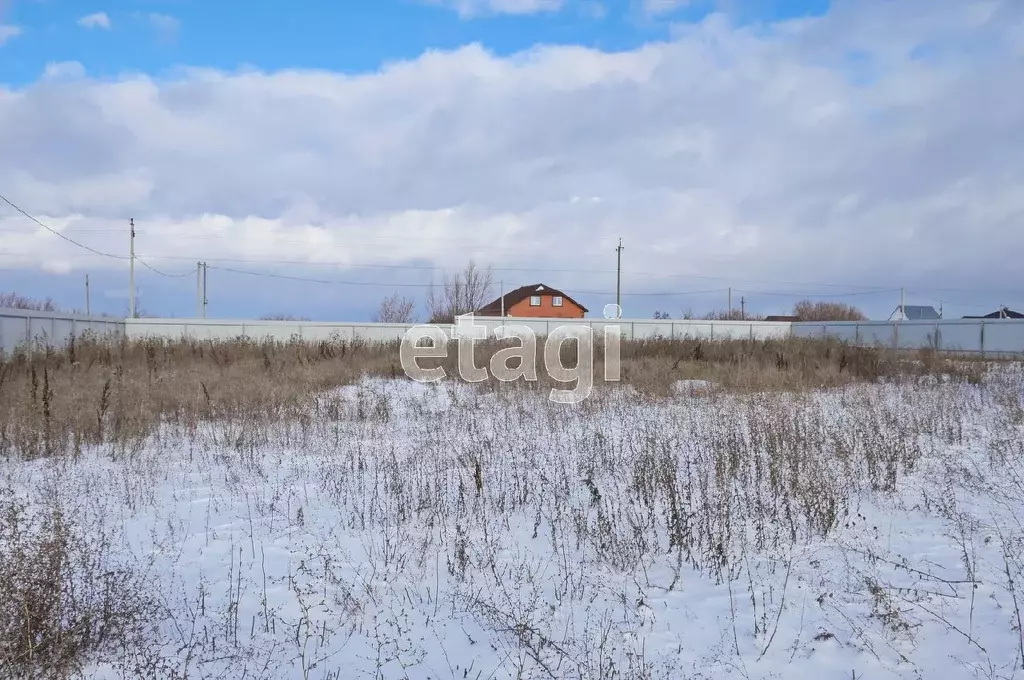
(283, 317)
(395, 309)
(810, 310)
(63, 602)
(464, 292)
(14, 300)
(731, 315)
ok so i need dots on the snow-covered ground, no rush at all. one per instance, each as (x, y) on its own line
(418, 531)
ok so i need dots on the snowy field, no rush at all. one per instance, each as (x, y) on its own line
(400, 530)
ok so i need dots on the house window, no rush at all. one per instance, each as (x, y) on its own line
(535, 301)
(557, 301)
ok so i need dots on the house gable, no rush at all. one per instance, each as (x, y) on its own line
(535, 299)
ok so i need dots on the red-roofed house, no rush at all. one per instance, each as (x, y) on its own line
(535, 300)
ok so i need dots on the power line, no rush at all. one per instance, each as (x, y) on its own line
(75, 231)
(865, 290)
(322, 281)
(379, 284)
(162, 273)
(545, 270)
(870, 291)
(57, 233)
(85, 247)
(428, 267)
(354, 265)
(782, 294)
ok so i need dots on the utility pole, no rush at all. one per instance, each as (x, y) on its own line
(903, 309)
(501, 284)
(729, 315)
(618, 279)
(88, 308)
(131, 271)
(206, 300)
(743, 308)
(199, 289)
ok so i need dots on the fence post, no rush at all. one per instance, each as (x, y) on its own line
(982, 339)
(856, 334)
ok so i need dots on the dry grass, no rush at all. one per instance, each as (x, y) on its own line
(772, 469)
(63, 596)
(54, 402)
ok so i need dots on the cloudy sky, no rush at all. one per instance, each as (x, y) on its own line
(353, 150)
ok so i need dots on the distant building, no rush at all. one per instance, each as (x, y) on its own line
(914, 313)
(1001, 313)
(781, 317)
(536, 300)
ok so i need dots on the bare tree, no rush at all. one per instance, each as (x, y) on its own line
(463, 292)
(809, 310)
(13, 300)
(395, 309)
(140, 313)
(733, 315)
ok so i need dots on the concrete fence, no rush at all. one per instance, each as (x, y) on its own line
(221, 329)
(22, 327)
(983, 336)
(971, 336)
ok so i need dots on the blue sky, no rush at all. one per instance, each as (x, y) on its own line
(725, 144)
(348, 36)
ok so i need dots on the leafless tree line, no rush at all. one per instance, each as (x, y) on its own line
(805, 310)
(459, 293)
(471, 288)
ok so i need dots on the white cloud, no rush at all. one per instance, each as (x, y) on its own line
(96, 20)
(64, 70)
(655, 7)
(725, 152)
(474, 8)
(7, 32)
(165, 24)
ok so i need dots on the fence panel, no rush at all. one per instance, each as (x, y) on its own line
(21, 327)
(966, 335)
(960, 337)
(1003, 336)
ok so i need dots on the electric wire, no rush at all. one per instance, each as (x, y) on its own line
(85, 247)
(863, 290)
(57, 233)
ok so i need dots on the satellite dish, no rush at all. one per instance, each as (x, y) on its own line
(612, 311)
